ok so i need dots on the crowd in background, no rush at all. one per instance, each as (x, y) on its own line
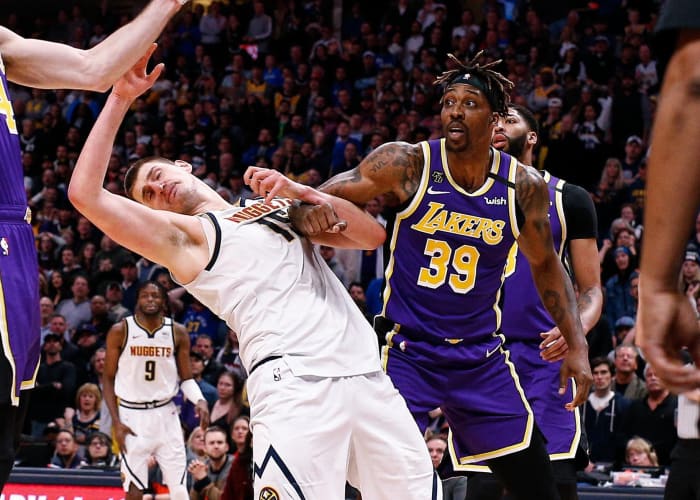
(290, 86)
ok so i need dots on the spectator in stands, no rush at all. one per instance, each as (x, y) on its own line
(229, 404)
(76, 310)
(239, 482)
(100, 316)
(228, 355)
(208, 390)
(610, 193)
(85, 418)
(618, 300)
(328, 254)
(99, 454)
(55, 385)
(652, 417)
(210, 475)
(46, 307)
(199, 320)
(604, 415)
(113, 295)
(626, 381)
(640, 453)
(204, 345)
(66, 455)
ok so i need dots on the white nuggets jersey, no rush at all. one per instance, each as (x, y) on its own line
(147, 369)
(272, 287)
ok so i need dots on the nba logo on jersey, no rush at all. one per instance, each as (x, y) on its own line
(4, 246)
(276, 376)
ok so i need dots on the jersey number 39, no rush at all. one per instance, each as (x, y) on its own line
(457, 268)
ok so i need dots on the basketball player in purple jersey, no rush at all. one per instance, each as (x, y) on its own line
(461, 206)
(535, 343)
(46, 65)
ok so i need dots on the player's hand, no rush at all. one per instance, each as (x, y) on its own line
(122, 430)
(553, 346)
(576, 365)
(313, 220)
(271, 183)
(201, 411)
(136, 81)
(668, 323)
(198, 469)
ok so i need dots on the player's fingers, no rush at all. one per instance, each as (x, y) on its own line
(248, 174)
(563, 379)
(155, 73)
(582, 388)
(339, 227)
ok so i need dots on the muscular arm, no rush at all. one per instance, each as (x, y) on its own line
(49, 65)
(584, 261)
(550, 278)
(667, 321)
(392, 170)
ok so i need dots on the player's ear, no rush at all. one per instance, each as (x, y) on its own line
(184, 164)
(532, 138)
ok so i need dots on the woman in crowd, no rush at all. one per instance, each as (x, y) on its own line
(84, 420)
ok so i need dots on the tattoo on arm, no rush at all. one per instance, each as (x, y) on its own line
(555, 305)
(393, 170)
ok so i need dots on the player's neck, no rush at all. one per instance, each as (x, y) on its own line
(149, 321)
(470, 168)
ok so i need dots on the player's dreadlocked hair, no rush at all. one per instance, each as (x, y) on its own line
(493, 84)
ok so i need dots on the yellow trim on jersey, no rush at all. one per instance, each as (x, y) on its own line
(577, 435)
(389, 344)
(512, 259)
(407, 212)
(495, 165)
(5, 333)
(512, 171)
(464, 463)
(559, 203)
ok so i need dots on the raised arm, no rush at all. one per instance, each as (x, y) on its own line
(550, 278)
(43, 64)
(170, 239)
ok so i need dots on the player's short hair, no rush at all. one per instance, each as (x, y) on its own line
(161, 288)
(493, 84)
(528, 116)
(135, 168)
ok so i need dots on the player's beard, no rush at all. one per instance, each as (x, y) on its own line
(516, 146)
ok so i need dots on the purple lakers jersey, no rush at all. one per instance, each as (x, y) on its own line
(449, 249)
(19, 272)
(524, 315)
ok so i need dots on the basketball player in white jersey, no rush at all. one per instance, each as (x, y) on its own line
(146, 355)
(322, 409)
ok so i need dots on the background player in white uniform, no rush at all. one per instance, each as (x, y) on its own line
(322, 409)
(146, 353)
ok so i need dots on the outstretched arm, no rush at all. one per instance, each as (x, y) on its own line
(667, 320)
(350, 226)
(392, 170)
(49, 65)
(170, 239)
(551, 280)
